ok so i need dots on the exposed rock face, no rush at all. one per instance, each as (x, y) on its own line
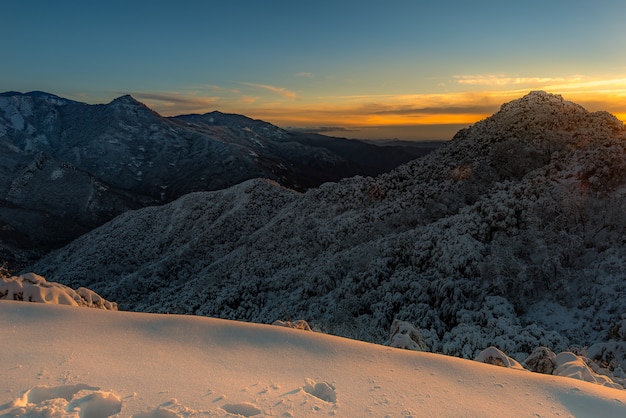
(492, 355)
(297, 324)
(405, 335)
(541, 360)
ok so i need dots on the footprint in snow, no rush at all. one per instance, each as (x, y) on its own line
(158, 413)
(322, 390)
(244, 408)
(44, 401)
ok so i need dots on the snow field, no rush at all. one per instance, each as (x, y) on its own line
(66, 362)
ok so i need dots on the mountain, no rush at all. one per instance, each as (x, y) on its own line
(67, 167)
(511, 234)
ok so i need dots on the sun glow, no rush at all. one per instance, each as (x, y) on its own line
(621, 116)
(417, 119)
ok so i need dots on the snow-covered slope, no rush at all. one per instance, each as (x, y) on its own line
(509, 235)
(67, 362)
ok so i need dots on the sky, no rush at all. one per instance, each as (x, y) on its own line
(365, 69)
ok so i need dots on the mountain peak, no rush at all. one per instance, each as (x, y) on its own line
(539, 99)
(540, 115)
(47, 97)
(128, 104)
(542, 96)
(127, 99)
(523, 135)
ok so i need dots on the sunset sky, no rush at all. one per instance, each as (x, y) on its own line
(366, 69)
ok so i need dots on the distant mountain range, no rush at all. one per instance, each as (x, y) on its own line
(511, 234)
(67, 167)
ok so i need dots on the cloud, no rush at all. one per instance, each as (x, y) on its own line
(615, 86)
(319, 129)
(177, 98)
(440, 110)
(221, 89)
(174, 103)
(281, 91)
(499, 80)
(248, 100)
(305, 74)
(576, 83)
(593, 93)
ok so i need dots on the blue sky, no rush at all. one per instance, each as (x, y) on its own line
(408, 69)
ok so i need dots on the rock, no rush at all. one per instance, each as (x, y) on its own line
(492, 355)
(297, 324)
(541, 360)
(405, 335)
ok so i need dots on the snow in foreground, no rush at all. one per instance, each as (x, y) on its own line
(66, 361)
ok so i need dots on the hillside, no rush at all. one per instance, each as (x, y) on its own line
(511, 234)
(68, 167)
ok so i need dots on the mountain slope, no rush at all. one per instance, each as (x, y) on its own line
(85, 164)
(511, 234)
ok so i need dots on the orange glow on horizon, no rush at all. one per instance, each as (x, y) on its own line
(299, 120)
(621, 116)
(418, 120)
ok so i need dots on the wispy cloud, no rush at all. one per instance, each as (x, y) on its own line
(449, 110)
(499, 80)
(248, 100)
(281, 91)
(576, 83)
(594, 93)
(221, 89)
(590, 85)
(174, 98)
(305, 74)
(320, 129)
(174, 103)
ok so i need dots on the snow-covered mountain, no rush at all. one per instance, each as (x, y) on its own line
(512, 234)
(67, 167)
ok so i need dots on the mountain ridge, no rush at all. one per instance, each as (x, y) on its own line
(129, 156)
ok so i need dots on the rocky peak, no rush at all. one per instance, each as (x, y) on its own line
(126, 99)
(127, 104)
(128, 111)
(541, 116)
(524, 135)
